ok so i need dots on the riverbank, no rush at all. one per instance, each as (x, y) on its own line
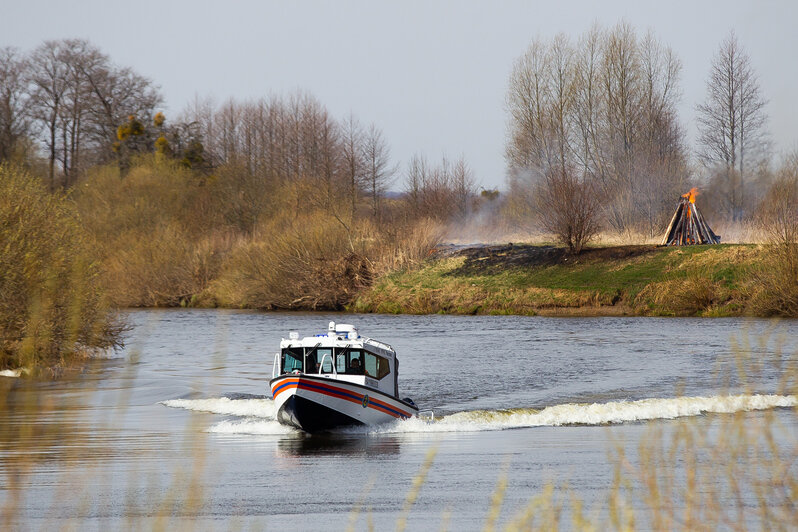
(544, 280)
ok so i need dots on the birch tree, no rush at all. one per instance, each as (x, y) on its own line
(602, 113)
(732, 120)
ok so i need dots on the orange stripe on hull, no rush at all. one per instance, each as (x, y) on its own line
(339, 393)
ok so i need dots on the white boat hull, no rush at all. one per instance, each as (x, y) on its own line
(318, 404)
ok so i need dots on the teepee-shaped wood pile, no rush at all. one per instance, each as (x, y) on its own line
(688, 226)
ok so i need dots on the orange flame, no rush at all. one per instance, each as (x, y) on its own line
(691, 195)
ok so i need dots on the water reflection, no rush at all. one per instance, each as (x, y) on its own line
(338, 445)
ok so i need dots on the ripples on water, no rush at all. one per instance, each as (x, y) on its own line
(568, 386)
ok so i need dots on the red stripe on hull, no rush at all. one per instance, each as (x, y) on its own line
(338, 393)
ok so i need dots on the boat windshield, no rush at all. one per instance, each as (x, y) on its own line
(347, 362)
(323, 361)
(291, 359)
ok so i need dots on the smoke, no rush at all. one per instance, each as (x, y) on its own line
(486, 225)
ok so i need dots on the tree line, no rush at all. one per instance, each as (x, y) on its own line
(594, 138)
(70, 99)
(344, 165)
(593, 129)
(66, 106)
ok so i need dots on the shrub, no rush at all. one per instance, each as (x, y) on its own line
(314, 260)
(52, 304)
(568, 208)
(159, 231)
(774, 286)
(160, 269)
(310, 262)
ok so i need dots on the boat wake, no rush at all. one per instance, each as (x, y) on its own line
(258, 414)
(260, 407)
(593, 414)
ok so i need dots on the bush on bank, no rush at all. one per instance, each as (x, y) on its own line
(52, 304)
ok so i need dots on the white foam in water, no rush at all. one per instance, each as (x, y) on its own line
(259, 414)
(251, 426)
(592, 414)
(261, 408)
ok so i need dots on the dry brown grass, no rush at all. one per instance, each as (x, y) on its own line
(774, 286)
(314, 261)
(689, 296)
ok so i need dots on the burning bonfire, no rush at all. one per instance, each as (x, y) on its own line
(688, 226)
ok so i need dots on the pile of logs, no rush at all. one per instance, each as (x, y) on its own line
(687, 226)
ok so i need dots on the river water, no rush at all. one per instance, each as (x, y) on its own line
(177, 428)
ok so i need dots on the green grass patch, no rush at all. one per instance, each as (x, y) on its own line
(699, 281)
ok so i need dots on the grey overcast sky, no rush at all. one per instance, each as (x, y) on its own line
(431, 74)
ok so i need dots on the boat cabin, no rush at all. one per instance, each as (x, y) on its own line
(341, 354)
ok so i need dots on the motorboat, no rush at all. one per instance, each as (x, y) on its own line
(337, 379)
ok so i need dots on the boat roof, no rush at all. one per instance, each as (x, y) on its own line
(339, 335)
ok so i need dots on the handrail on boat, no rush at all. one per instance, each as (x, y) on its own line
(321, 364)
(380, 344)
(275, 365)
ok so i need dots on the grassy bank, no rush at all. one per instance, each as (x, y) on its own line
(620, 280)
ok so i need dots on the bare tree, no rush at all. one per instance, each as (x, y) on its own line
(49, 77)
(661, 171)
(732, 119)
(620, 76)
(568, 208)
(81, 59)
(80, 99)
(118, 93)
(561, 62)
(589, 102)
(15, 120)
(329, 148)
(378, 168)
(527, 103)
(415, 181)
(464, 187)
(603, 110)
(353, 158)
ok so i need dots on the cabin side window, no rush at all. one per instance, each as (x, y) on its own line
(349, 361)
(376, 366)
(291, 359)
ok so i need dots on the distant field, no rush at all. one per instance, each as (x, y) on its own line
(540, 279)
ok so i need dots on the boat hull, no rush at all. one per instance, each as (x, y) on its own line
(317, 404)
